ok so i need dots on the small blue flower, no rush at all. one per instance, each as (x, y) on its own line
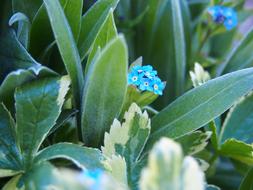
(223, 15)
(134, 78)
(146, 84)
(158, 86)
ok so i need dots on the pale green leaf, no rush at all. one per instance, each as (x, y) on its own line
(107, 32)
(12, 184)
(38, 106)
(237, 150)
(168, 169)
(104, 91)
(92, 21)
(67, 46)
(201, 105)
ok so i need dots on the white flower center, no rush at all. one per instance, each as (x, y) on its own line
(145, 83)
(156, 87)
(134, 78)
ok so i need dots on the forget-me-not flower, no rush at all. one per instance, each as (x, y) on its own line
(145, 79)
(223, 15)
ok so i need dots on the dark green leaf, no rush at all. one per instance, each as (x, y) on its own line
(28, 7)
(67, 46)
(38, 106)
(83, 157)
(15, 56)
(201, 105)
(91, 24)
(241, 57)
(104, 91)
(239, 121)
(10, 157)
(247, 183)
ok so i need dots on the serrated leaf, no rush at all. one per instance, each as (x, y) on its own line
(247, 183)
(104, 91)
(38, 106)
(167, 169)
(128, 139)
(201, 105)
(67, 46)
(237, 150)
(239, 121)
(10, 157)
(241, 56)
(107, 32)
(194, 142)
(91, 24)
(15, 56)
(83, 157)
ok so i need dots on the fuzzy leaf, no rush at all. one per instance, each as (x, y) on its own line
(107, 32)
(167, 169)
(92, 21)
(67, 46)
(83, 157)
(104, 91)
(237, 150)
(239, 121)
(10, 157)
(38, 106)
(201, 105)
(128, 139)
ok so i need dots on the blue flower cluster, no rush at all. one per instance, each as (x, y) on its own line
(146, 79)
(223, 15)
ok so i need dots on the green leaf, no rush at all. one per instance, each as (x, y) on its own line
(107, 32)
(201, 105)
(10, 157)
(212, 187)
(8, 173)
(128, 139)
(237, 150)
(18, 78)
(104, 91)
(162, 39)
(168, 169)
(194, 142)
(38, 106)
(247, 183)
(92, 21)
(28, 7)
(241, 56)
(83, 157)
(67, 47)
(41, 41)
(239, 121)
(15, 56)
(23, 30)
(13, 184)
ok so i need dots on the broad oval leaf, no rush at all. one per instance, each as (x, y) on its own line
(201, 105)
(83, 157)
(67, 46)
(38, 106)
(104, 91)
(239, 121)
(91, 24)
(10, 157)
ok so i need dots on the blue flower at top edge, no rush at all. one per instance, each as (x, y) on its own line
(223, 15)
(93, 176)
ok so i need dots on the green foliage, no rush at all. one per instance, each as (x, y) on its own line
(64, 89)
